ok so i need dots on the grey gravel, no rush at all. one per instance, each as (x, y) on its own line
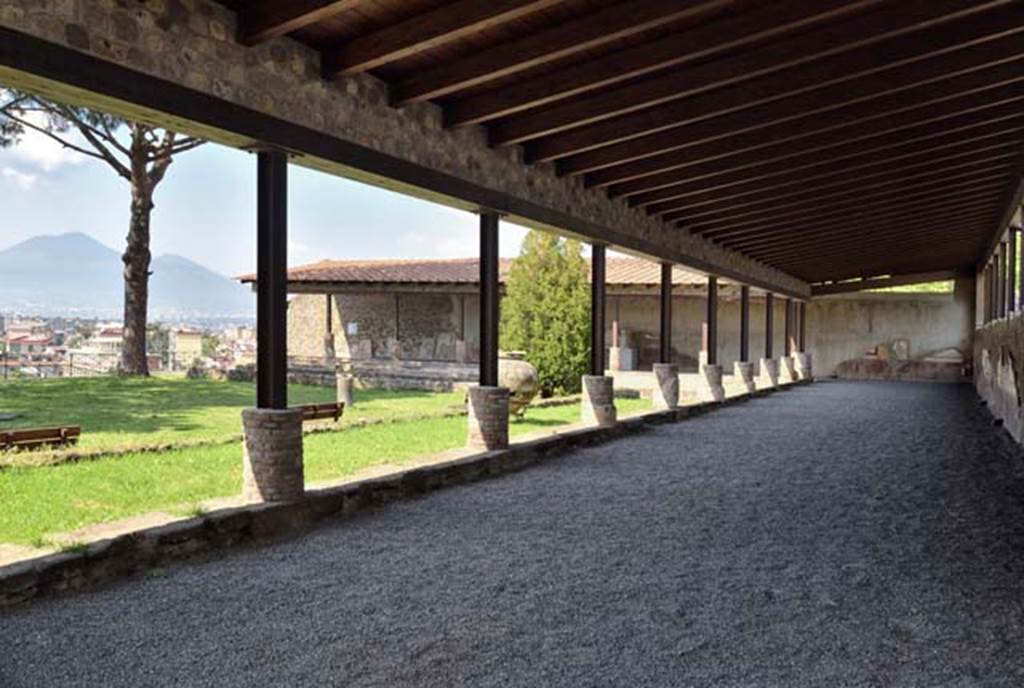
(843, 534)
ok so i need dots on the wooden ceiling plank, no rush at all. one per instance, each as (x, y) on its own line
(785, 158)
(261, 20)
(566, 39)
(875, 78)
(679, 48)
(833, 52)
(879, 186)
(900, 184)
(757, 232)
(741, 132)
(912, 255)
(422, 32)
(693, 196)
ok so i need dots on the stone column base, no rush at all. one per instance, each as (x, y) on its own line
(343, 384)
(272, 460)
(488, 418)
(768, 370)
(666, 386)
(710, 387)
(598, 404)
(744, 372)
(803, 366)
(787, 370)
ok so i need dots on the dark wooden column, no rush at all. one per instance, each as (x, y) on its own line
(1011, 280)
(801, 338)
(769, 325)
(1001, 280)
(489, 299)
(788, 328)
(710, 330)
(744, 324)
(665, 333)
(271, 280)
(597, 278)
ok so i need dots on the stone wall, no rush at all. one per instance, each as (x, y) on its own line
(999, 370)
(191, 44)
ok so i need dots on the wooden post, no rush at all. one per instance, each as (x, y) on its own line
(1001, 280)
(710, 329)
(1011, 281)
(769, 325)
(744, 324)
(802, 332)
(489, 299)
(272, 280)
(597, 301)
(665, 335)
(788, 328)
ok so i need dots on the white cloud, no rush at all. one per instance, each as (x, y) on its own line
(24, 181)
(41, 151)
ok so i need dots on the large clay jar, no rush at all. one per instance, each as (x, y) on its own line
(520, 377)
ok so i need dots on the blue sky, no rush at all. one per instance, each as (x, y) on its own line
(205, 210)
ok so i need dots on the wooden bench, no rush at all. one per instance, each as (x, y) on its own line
(39, 437)
(322, 411)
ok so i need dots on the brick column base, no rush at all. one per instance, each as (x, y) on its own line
(710, 387)
(744, 372)
(666, 386)
(768, 373)
(803, 366)
(488, 418)
(272, 460)
(787, 370)
(598, 404)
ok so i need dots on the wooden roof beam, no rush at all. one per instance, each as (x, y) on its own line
(790, 158)
(832, 83)
(867, 283)
(424, 31)
(676, 49)
(688, 197)
(768, 73)
(742, 131)
(261, 20)
(926, 181)
(589, 31)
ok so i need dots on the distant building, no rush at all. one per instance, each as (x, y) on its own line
(185, 345)
(108, 341)
(28, 345)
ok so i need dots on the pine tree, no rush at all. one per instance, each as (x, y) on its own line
(546, 311)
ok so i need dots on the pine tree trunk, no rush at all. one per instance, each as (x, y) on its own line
(136, 260)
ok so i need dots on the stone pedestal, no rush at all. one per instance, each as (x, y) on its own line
(598, 404)
(461, 352)
(614, 358)
(768, 375)
(343, 384)
(787, 370)
(710, 387)
(272, 461)
(744, 373)
(666, 386)
(802, 361)
(488, 418)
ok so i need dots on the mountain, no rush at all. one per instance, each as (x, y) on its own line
(75, 274)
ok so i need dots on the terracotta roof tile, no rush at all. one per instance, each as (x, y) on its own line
(619, 271)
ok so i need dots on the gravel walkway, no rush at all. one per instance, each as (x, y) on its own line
(843, 534)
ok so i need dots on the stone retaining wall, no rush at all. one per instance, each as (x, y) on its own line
(136, 552)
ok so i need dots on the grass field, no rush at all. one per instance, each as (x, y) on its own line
(118, 413)
(40, 501)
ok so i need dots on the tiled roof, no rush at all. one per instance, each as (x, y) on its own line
(619, 271)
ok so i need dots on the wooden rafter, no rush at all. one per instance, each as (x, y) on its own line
(262, 20)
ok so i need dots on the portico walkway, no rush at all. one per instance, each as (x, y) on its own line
(838, 534)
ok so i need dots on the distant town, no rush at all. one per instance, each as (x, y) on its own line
(52, 347)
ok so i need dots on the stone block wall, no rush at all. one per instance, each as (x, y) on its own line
(999, 370)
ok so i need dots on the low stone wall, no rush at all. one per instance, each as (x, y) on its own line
(998, 373)
(133, 553)
(924, 370)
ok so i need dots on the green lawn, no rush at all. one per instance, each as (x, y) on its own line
(41, 501)
(120, 413)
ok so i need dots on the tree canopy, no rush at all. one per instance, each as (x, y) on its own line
(546, 311)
